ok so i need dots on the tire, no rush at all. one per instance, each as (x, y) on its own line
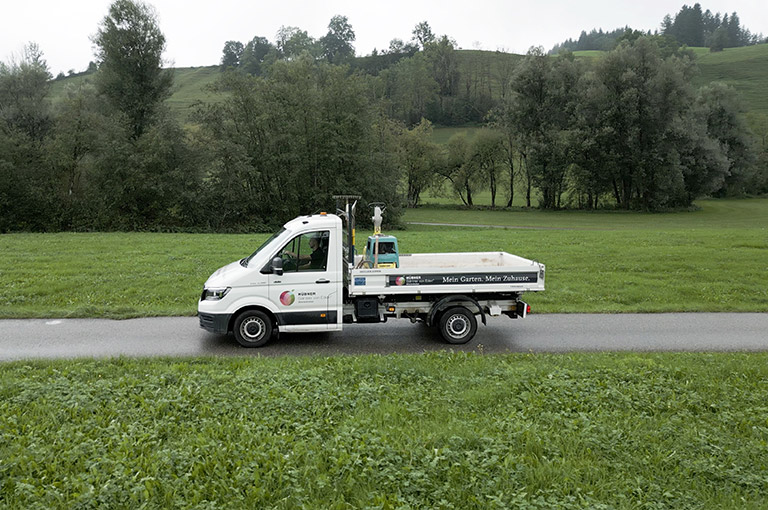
(458, 325)
(253, 328)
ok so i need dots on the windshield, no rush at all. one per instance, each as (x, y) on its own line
(244, 262)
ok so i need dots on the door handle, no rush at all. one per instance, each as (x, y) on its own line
(323, 280)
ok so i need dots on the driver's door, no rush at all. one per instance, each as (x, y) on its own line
(302, 292)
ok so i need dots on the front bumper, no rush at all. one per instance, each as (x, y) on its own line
(215, 322)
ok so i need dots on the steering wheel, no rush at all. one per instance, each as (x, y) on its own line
(290, 263)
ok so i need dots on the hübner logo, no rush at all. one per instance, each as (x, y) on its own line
(287, 298)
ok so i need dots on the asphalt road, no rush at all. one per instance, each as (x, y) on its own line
(181, 336)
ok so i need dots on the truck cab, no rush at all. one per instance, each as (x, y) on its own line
(292, 283)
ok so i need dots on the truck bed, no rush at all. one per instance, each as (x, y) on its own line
(437, 273)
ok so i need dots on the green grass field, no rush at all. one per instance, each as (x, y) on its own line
(441, 430)
(713, 259)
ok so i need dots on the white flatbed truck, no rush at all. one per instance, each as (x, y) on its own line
(303, 279)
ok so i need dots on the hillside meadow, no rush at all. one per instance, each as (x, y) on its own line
(189, 89)
(743, 68)
(708, 260)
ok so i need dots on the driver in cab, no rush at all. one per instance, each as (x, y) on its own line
(315, 260)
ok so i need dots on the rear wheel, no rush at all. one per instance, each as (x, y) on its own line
(458, 325)
(253, 328)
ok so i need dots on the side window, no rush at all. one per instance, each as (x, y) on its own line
(306, 252)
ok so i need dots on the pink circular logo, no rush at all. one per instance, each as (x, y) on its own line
(287, 298)
(400, 280)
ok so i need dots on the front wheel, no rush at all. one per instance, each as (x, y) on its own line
(253, 328)
(458, 325)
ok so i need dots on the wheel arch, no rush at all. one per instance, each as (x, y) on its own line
(447, 302)
(270, 314)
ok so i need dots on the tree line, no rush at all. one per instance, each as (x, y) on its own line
(628, 132)
(690, 26)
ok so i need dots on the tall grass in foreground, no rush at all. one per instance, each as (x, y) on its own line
(426, 431)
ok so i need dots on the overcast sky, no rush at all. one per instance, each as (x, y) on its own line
(196, 30)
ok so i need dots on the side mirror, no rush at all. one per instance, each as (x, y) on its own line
(277, 266)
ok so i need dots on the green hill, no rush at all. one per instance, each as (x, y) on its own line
(746, 69)
(189, 85)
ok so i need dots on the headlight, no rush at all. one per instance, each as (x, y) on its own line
(215, 294)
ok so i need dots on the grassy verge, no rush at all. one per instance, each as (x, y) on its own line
(431, 431)
(708, 260)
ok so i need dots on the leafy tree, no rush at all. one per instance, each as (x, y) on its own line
(464, 176)
(721, 111)
(257, 54)
(337, 43)
(28, 196)
(418, 156)
(592, 174)
(445, 67)
(231, 54)
(508, 146)
(538, 113)
(410, 88)
(423, 35)
(638, 119)
(719, 40)
(697, 162)
(129, 48)
(487, 154)
(666, 24)
(144, 172)
(77, 140)
(24, 86)
(397, 46)
(640, 132)
(292, 42)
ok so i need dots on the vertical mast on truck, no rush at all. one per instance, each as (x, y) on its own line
(347, 213)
